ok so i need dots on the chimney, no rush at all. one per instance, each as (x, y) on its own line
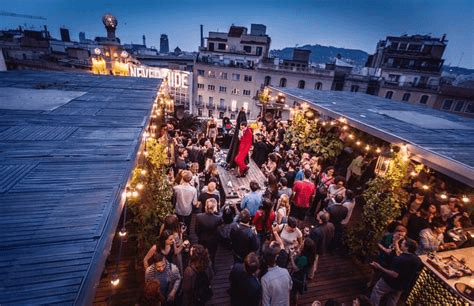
(144, 40)
(202, 36)
(443, 38)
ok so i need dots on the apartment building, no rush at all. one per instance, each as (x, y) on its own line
(233, 66)
(408, 67)
(225, 74)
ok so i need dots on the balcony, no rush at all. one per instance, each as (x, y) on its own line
(222, 107)
(229, 108)
(199, 104)
(210, 106)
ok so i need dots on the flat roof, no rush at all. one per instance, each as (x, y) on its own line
(68, 143)
(440, 140)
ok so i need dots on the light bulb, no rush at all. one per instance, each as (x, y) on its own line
(115, 281)
(139, 186)
(123, 232)
(425, 187)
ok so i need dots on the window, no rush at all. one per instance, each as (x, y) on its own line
(221, 115)
(318, 86)
(246, 92)
(459, 106)
(469, 108)
(200, 99)
(403, 46)
(223, 75)
(447, 104)
(210, 112)
(414, 47)
(222, 103)
(211, 74)
(424, 99)
(406, 97)
(247, 78)
(393, 77)
(200, 86)
(259, 51)
(282, 82)
(235, 76)
(222, 89)
(200, 72)
(221, 46)
(211, 100)
(301, 84)
(248, 49)
(267, 80)
(354, 88)
(200, 112)
(394, 45)
(211, 87)
(389, 95)
(211, 46)
(232, 116)
(233, 106)
(235, 91)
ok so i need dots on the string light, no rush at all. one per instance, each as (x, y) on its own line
(413, 173)
(115, 281)
(378, 150)
(425, 187)
(367, 147)
(143, 172)
(123, 232)
(444, 196)
(351, 136)
(358, 143)
(465, 199)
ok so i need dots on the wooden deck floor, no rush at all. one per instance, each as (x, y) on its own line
(233, 186)
(337, 276)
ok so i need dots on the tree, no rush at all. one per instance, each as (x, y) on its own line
(384, 199)
(319, 138)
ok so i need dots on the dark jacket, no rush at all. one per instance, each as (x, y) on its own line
(245, 289)
(206, 228)
(243, 239)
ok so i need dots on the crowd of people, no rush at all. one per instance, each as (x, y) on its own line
(281, 226)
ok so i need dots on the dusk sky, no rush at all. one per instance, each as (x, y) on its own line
(353, 24)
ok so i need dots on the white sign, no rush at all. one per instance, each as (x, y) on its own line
(176, 78)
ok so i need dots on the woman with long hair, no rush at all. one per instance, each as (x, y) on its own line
(264, 219)
(198, 264)
(283, 209)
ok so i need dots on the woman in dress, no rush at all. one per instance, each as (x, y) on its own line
(212, 130)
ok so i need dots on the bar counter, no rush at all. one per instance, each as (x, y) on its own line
(433, 288)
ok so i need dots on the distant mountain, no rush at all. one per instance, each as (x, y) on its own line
(323, 55)
(457, 70)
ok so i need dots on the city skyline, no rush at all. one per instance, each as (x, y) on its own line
(347, 24)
